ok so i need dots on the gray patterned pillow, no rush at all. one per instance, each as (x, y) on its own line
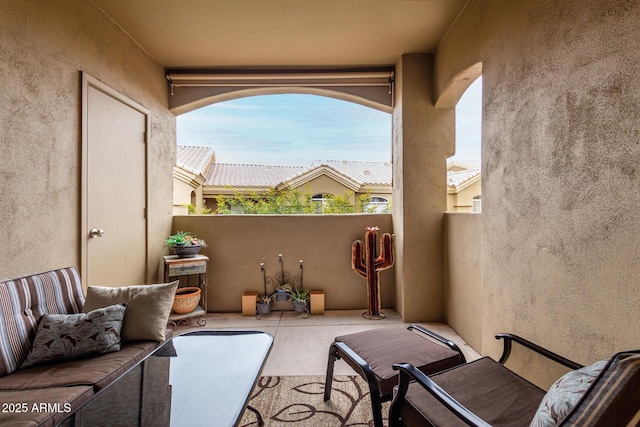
(564, 394)
(67, 336)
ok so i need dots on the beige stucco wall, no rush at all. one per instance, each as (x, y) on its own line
(239, 243)
(463, 287)
(561, 188)
(182, 192)
(423, 136)
(462, 201)
(44, 45)
(325, 184)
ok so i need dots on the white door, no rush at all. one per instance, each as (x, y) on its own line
(114, 225)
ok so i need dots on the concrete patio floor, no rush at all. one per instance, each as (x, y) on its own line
(301, 345)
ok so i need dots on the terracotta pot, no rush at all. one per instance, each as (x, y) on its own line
(186, 300)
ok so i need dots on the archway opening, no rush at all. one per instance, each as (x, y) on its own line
(464, 168)
(296, 142)
(288, 129)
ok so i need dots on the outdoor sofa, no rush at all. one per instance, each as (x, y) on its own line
(72, 356)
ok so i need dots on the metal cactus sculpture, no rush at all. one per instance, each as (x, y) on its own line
(365, 263)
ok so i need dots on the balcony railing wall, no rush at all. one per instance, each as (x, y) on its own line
(239, 243)
(463, 286)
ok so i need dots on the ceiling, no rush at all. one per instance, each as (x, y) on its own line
(282, 33)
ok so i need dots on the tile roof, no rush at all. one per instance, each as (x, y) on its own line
(454, 179)
(194, 159)
(242, 175)
(467, 164)
(379, 173)
(373, 173)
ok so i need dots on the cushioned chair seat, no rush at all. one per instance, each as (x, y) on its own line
(96, 370)
(485, 387)
(383, 347)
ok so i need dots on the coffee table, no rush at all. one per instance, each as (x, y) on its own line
(198, 378)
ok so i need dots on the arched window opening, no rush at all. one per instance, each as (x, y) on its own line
(469, 124)
(269, 143)
(464, 169)
(376, 204)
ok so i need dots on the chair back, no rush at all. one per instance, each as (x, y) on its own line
(614, 397)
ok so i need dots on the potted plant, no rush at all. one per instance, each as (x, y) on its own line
(264, 304)
(184, 244)
(283, 292)
(300, 298)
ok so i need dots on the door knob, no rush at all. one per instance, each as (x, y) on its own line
(96, 232)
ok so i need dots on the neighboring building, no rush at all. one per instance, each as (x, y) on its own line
(464, 188)
(321, 178)
(198, 180)
(189, 174)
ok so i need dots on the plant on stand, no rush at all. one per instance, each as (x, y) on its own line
(264, 304)
(300, 298)
(184, 244)
(283, 292)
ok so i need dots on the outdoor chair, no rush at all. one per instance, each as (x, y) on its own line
(486, 393)
(372, 355)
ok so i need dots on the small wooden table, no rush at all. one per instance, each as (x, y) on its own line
(197, 265)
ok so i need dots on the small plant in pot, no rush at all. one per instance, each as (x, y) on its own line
(264, 304)
(300, 298)
(184, 244)
(283, 292)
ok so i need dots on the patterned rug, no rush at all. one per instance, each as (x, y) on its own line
(298, 400)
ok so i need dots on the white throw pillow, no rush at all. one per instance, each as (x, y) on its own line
(564, 394)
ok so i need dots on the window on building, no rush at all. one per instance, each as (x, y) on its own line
(376, 204)
(320, 200)
(477, 204)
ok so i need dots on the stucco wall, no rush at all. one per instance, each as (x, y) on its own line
(561, 188)
(422, 138)
(44, 45)
(239, 243)
(462, 201)
(182, 196)
(325, 184)
(463, 287)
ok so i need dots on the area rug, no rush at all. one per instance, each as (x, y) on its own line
(298, 400)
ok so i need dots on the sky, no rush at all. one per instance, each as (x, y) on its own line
(300, 129)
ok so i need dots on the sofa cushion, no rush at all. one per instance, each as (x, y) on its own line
(98, 371)
(564, 394)
(23, 300)
(45, 407)
(68, 336)
(148, 308)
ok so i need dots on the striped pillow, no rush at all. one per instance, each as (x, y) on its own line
(565, 393)
(613, 399)
(24, 300)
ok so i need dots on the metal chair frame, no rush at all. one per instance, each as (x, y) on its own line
(339, 350)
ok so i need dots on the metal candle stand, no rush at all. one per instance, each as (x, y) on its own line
(281, 280)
